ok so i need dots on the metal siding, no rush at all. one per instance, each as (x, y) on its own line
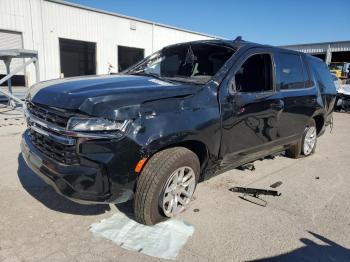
(10, 40)
(42, 23)
(343, 46)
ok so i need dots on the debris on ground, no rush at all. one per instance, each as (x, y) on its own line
(277, 184)
(252, 194)
(248, 166)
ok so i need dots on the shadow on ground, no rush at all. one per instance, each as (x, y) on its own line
(46, 195)
(329, 251)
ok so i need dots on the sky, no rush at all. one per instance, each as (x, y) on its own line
(275, 22)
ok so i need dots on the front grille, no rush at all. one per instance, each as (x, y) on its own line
(48, 114)
(65, 154)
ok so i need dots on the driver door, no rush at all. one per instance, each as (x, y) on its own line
(251, 109)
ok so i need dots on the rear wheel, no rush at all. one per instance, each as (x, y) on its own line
(166, 185)
(309, 139)
(307, 144)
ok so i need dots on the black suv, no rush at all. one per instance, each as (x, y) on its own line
(179, 116)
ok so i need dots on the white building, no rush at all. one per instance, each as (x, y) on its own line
(76, 40)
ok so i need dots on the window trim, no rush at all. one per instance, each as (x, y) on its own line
(305, 67)
(243, 59)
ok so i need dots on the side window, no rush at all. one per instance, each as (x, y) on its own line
(291, 73)
(322, 74)
(255, 75)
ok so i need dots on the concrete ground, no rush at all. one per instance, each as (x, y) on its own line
(309, 222)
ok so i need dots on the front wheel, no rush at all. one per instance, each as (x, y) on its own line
(166, 185)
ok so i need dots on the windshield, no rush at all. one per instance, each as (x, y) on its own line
(190, 62)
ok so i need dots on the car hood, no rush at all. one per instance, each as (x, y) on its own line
(103, 95)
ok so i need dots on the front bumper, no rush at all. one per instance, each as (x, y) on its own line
(94, 180)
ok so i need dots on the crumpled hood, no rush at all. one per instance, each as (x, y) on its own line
(102, 95)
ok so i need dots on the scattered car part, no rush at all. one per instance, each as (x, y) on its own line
(255, 191)
(276, 184)
(248, 166)
(252, 194)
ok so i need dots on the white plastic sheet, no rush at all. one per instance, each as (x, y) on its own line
(163, 240)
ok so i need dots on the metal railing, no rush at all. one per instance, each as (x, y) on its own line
(7, 55)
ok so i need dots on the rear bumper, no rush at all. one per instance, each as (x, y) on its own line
(87, 182)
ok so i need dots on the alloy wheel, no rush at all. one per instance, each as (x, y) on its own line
(309, 140)
(178, 191)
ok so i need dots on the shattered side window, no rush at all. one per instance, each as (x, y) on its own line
(193, 62)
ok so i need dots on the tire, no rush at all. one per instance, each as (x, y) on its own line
(157, 177)
(298, 149)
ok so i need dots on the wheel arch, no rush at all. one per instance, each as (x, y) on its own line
(197, 147)
(319, 120)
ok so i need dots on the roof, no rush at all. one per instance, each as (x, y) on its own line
(128, 17)
(321, 43)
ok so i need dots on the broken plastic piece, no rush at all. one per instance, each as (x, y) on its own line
(277, 184)
(248, 166)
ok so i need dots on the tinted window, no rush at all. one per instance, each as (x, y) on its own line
(255, 75)
(291, 73)
(322, 74)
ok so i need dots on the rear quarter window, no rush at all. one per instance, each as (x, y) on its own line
(322, 75)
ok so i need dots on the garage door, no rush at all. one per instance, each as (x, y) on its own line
(10, 40)
(128, 56)
(78, 58)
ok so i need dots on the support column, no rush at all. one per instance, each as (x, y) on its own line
(37, 72)
(328, 55)
(7, 62)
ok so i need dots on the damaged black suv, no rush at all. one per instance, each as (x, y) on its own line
(179, 116)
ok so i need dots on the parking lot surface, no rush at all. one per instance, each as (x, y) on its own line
(310, 221)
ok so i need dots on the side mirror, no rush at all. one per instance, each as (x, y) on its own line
(232, 87)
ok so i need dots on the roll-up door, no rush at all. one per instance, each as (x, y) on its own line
(12, 40)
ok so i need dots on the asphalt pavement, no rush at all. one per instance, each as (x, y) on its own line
(310, 221)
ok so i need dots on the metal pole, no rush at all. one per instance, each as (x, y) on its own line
(328, 55)
(7, 62)
(16, 70)
(37, 72)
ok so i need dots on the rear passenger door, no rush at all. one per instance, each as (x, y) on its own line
(298, 92)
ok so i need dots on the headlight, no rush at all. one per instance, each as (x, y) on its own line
(96, 124)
